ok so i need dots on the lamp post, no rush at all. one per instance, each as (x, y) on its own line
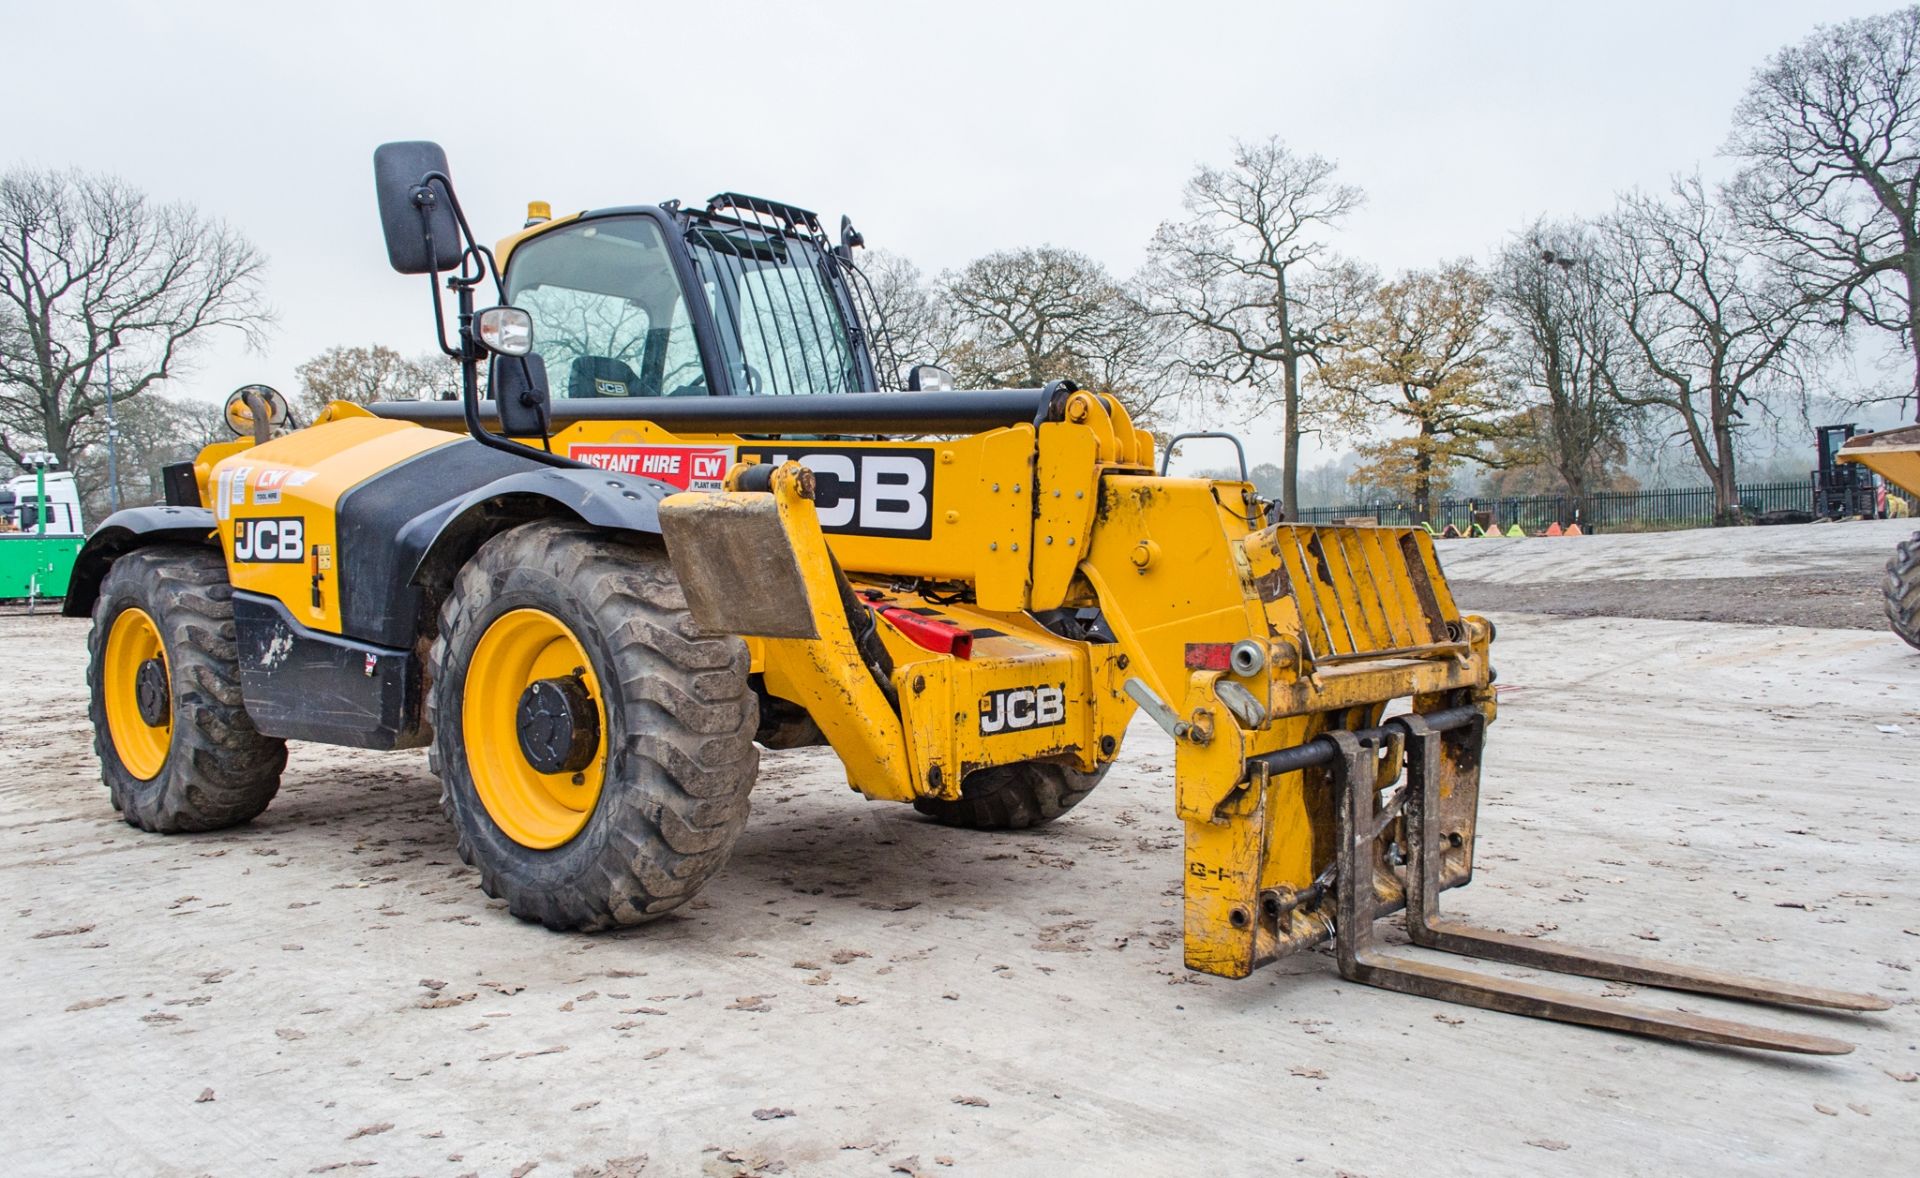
(39, 460)
(113, 450)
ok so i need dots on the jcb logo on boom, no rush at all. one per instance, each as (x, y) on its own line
(864, 490)
(271, 541)
(1017, 709)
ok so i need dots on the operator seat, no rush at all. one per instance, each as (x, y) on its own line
(603, 376)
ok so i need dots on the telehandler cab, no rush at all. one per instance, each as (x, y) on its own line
(592, 606)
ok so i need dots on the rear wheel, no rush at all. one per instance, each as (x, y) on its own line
(1902, 589)
(595, 747)
(1013, 797)
(178, 751)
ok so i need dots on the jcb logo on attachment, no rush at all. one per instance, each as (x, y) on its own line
(1017, 709)
(272, 541)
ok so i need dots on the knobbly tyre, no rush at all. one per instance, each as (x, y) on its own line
(593, 607)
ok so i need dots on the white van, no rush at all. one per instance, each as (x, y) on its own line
(21, 506)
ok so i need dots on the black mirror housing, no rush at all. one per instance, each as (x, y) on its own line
(521, 396)
(416, 244)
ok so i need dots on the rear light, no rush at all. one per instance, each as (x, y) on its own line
(941, 637)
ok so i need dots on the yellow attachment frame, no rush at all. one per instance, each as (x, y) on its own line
(1330, 625)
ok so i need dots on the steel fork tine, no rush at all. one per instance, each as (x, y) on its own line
(1353, 771)
(1428, 930)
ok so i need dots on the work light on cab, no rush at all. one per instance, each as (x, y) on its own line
(505, 331)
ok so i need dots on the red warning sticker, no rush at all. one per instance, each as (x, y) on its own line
(690, 468)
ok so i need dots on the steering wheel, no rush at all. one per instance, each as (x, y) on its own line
(697, 387)
(753, 377)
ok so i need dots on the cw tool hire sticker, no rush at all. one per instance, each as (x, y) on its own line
(690, 468)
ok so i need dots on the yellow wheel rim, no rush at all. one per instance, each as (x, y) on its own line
(534, 809)
(133, 642)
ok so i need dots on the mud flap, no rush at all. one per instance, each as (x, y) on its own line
(737, 565)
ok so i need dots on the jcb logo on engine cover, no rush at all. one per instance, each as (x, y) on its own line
(272, 541)
(864, 490)
(1017, 709)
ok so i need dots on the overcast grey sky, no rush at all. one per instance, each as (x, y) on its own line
(946, 130)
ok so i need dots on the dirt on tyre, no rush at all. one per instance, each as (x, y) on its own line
(1013, 797)
(1902, 590)
(178, 751)
(595, 747)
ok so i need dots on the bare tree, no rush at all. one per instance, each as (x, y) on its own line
(363, 375)
(1830, 134)
(906, 323)
(1716, 331)
(92, 273)
(1250, 285)
(1021, 318)
(1423, 358)
(150, 432)
(1566, 348)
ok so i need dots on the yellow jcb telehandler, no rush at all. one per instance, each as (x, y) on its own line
(676, 520)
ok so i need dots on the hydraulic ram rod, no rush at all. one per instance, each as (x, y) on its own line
(1322, 751)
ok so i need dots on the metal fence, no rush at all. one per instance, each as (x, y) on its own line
(1628, 510)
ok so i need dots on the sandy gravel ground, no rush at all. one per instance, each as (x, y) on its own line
(862, 993)
(1820, 575)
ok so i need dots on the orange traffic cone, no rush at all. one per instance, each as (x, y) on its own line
(1573, 531)
(1553, 529)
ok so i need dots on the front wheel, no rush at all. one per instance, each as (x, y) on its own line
(178, 751)
(596, 748)
(1902, 590)
(1013, 797)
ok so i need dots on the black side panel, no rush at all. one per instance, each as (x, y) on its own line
(377, 602)
(301, 685)
(124, 531)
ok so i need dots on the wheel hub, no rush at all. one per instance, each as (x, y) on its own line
(558, 725)
(132, 681)
(150, 693)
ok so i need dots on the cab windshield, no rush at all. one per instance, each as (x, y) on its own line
(779, 320)
(611, 320)
(609, 317)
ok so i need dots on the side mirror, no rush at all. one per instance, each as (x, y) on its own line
(929, 378)
(520, 393)
(416, 214)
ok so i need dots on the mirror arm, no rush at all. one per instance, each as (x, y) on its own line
(469, 356)
(262, 418)
(476, 265)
